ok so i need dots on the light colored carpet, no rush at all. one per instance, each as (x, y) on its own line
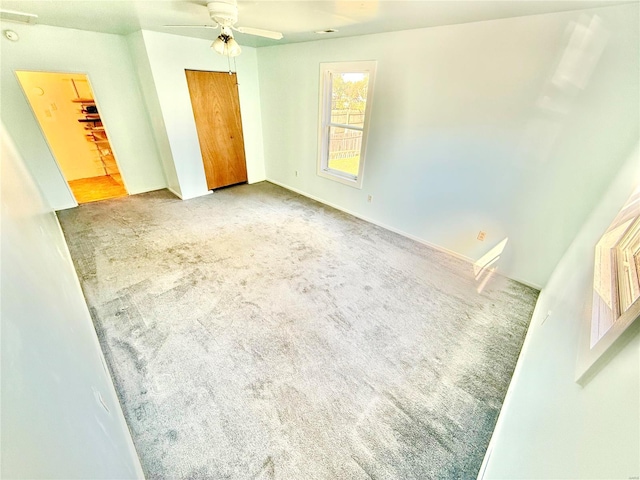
(256, 334)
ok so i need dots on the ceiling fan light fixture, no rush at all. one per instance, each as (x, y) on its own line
(219, 44)
(224, 14)
(233, 49)
(226, 45)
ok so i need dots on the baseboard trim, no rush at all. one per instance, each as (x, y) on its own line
(208, 192)
(175, 193)
(525, 282)
(392, 229)
(155, 188)
(375, 222)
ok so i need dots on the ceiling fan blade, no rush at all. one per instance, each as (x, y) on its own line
(259, 32)
(192, 26)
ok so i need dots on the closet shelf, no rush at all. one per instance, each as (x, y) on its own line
(96, 134)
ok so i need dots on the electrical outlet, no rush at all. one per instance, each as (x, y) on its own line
(482, 235)
(296, 172)
(370, 198)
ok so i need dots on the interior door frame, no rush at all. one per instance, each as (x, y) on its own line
(44, 136)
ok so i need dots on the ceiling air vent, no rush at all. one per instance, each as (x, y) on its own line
(18, 17)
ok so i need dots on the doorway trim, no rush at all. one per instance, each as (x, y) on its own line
(44, 136)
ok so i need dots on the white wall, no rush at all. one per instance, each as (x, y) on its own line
(168, 57)
(550, 427)
(468, 132)
(106, 60)
(150, 94)
(53, 423)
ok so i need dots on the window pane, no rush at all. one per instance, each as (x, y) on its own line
(346, 94)
(616, 278)
(349, 98)
(344, 150)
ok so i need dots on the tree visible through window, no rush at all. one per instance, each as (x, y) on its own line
(348, 103)
(344, 109)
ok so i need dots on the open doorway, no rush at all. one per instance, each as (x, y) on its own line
(65, 108)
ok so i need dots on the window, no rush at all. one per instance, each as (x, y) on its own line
(346, 91)
(616, 280)
(616, 291)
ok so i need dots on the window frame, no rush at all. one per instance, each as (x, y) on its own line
(597, 346)
(324, 119)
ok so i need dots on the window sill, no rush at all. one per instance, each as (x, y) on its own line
(339, 177)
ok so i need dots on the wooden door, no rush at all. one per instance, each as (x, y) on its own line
(216, 108)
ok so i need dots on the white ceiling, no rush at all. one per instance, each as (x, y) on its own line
(298, 20)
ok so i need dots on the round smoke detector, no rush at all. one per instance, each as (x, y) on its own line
(11, 35)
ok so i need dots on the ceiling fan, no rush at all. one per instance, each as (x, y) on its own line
(224, 13)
